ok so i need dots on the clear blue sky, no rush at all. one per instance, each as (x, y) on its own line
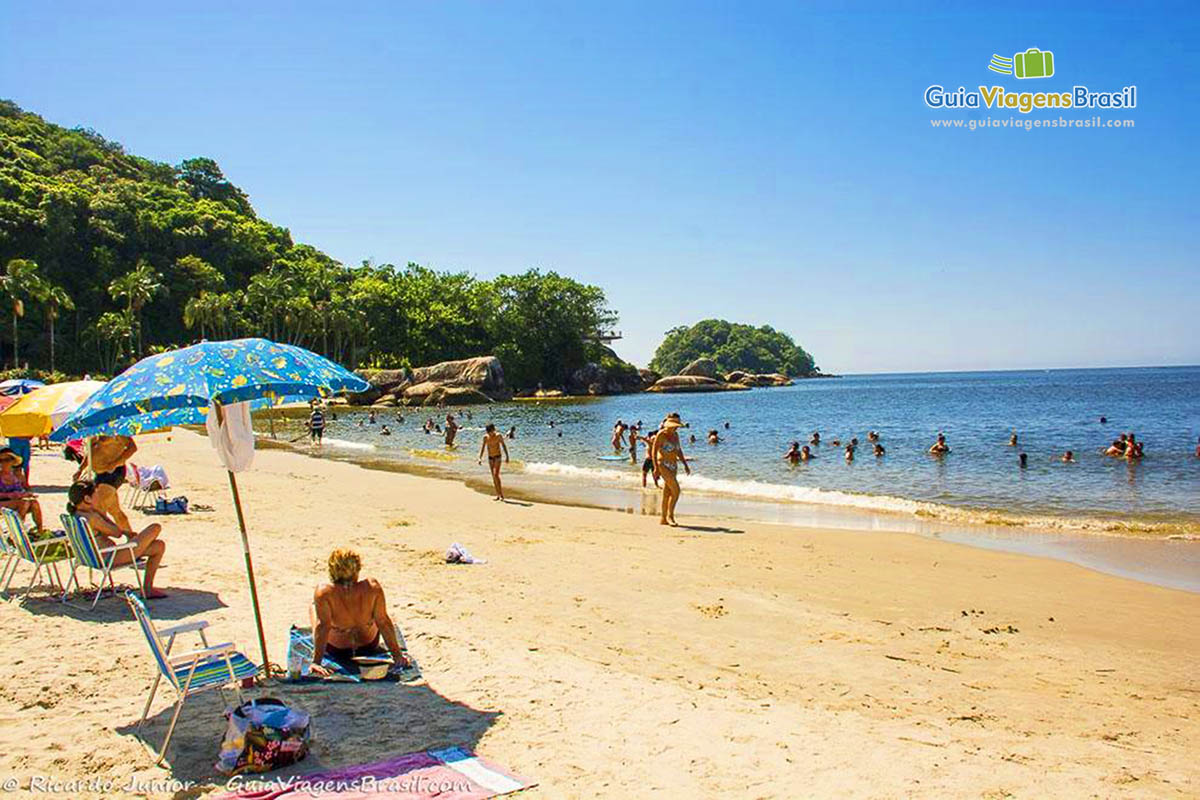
(767, 163)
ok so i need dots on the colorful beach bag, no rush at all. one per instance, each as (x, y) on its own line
(263, 735)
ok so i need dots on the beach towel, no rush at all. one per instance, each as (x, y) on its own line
(453, 773)
(233, 439)
(151, 479)
(300, 653)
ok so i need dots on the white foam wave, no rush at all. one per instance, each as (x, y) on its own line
(348, 445)
(569, 471)
(749, 490)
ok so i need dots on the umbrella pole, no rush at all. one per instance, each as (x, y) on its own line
(262, 642)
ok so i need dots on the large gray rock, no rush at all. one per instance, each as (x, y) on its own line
(483, 374)
(594, 379)
(693, 383)
(701, 367)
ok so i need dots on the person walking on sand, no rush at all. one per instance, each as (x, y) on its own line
(494, 444)
(666, 453)
(451, 430)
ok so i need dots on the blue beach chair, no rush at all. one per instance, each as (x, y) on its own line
(85, 552)
(210, 667)
(18, 547)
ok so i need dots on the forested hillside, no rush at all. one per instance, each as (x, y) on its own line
(106, 256)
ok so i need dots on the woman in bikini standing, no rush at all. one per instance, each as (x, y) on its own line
(666, 453)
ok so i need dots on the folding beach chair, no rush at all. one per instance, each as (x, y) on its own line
(85, 552)
(211, 667)
(18, 547)
(145, 484)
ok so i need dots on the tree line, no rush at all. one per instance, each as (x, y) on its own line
(106, 256)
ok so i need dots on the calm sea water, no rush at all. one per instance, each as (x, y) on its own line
(1051, 411)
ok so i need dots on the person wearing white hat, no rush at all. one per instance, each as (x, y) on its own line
(666, 453)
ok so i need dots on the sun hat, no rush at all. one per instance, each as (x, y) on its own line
(8, 452)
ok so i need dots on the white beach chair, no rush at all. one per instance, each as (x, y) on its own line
(18, 547)
(145, 483)
(85, 552)
(210, 667)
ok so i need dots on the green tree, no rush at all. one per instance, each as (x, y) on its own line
(137, 288)
(732, 346)
(54, 299)
(20, 282)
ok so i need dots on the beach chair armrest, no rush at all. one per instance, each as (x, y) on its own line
(116, 548)
(184, 659)
(52, 539)
(186, 627)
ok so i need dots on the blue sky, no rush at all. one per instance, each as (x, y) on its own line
(765, 163)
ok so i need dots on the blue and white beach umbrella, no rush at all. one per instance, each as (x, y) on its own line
(180, 386)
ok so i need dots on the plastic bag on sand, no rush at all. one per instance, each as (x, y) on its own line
(457, 554)
(263, 735)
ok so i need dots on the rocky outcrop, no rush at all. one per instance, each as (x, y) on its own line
(465, 382)
(750, 379)
(701, 368)
(596, 379)
(693, 383)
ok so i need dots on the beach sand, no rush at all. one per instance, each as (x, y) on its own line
(606, 656)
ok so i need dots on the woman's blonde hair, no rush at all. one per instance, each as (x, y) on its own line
(344, 566)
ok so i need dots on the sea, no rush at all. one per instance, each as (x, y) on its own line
(1139, 519)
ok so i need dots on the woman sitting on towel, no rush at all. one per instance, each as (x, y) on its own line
(350, 617)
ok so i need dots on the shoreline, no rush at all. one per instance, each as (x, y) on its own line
(1171, 561)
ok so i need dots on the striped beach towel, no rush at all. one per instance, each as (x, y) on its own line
(453, 773)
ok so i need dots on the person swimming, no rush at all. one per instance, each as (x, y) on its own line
(805, 453)
(713, 438)
(816, 439)
(512, 432)
(1068, 457)
(1012, 440)
(939, 448)
(879, 451)
(849, 452)
(872, 436)
(792, 456)
(1023, 460)
(384, 431)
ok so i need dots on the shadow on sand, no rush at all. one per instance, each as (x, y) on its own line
(708, 529)
(181, 603)
(351, 724)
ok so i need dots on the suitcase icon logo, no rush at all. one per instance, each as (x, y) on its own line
(1033, 63)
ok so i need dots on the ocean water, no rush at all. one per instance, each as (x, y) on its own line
(558, 447)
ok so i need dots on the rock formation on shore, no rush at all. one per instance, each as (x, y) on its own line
(466, 382)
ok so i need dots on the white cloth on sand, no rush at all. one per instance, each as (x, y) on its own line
(457, 554)
(233, 439)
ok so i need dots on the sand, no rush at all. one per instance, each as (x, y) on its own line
(606, 656)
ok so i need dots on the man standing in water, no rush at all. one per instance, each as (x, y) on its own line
(451, 430)
(494, 444)
(316, 423)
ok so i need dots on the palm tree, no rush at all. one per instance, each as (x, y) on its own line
(137, 288)
(19, 280)
(55, 299)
